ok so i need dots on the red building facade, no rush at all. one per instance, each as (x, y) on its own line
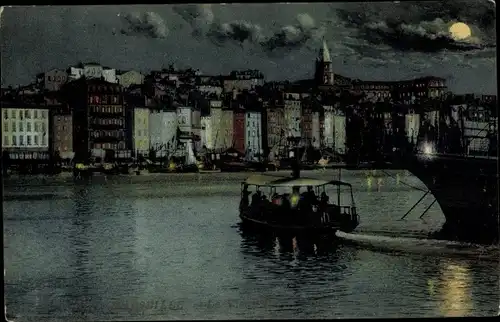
(239, 129)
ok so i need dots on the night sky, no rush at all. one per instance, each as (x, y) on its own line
(370, 41)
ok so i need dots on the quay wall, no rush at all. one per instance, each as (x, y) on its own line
(145, 178)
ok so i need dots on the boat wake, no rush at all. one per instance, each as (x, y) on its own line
(421, 246)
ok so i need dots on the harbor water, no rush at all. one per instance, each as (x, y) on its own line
(173, 249)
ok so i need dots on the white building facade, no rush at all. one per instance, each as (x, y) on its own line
(206, 132)
(329, 127)
(412, 126)
(184, 119)
(25, 128)
(316, 131)
(109, 75)
(141, 130)
(131, 77)
(253, 134)
(339, 127)
(75, 73)
(162, 131)
(92, 71)
(210, 89)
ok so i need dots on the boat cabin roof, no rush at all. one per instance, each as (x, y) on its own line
(276, 181)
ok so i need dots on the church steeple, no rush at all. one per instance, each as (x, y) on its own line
(324, 72)
(324, 53)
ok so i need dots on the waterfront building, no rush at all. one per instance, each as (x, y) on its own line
(206, 132)
(316, 129)
(222, 125)
(253, 134)
(306, 124)
(276, 127)
(339, 127)
(25, 127)
(98, 116)
(412, 126)
(226, 128)
(62, 133)
(329, 127)
(184, 119)
(292, 115)
(479, 125)
(215, 121)
(141, 137)
(196, 127)
(239, 128)
(163, 125)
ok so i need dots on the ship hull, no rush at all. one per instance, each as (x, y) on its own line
(466, 189)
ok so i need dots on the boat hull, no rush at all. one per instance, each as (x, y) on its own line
(466, 189)
(296, 229)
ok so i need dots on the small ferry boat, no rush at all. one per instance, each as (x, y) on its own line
(312, 214)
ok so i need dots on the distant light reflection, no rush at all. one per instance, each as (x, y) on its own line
(369, 180)
(277, 247)
(455, 291)
(295, 251)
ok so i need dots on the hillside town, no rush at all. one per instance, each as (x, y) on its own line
(171, 118)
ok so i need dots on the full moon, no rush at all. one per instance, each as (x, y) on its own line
(459, 31)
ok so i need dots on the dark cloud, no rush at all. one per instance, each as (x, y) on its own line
(423, 26)
(293, 36)
(235, 31)
(202, 19)
(199, 16)
(148, 24)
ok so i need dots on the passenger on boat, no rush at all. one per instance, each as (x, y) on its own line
(324, 199)
(276, 199)
(294, 198)
(256, 198)
(285, 201)
(244, 198)
(309, 199)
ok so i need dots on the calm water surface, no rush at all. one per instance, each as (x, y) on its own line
(175, 251)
